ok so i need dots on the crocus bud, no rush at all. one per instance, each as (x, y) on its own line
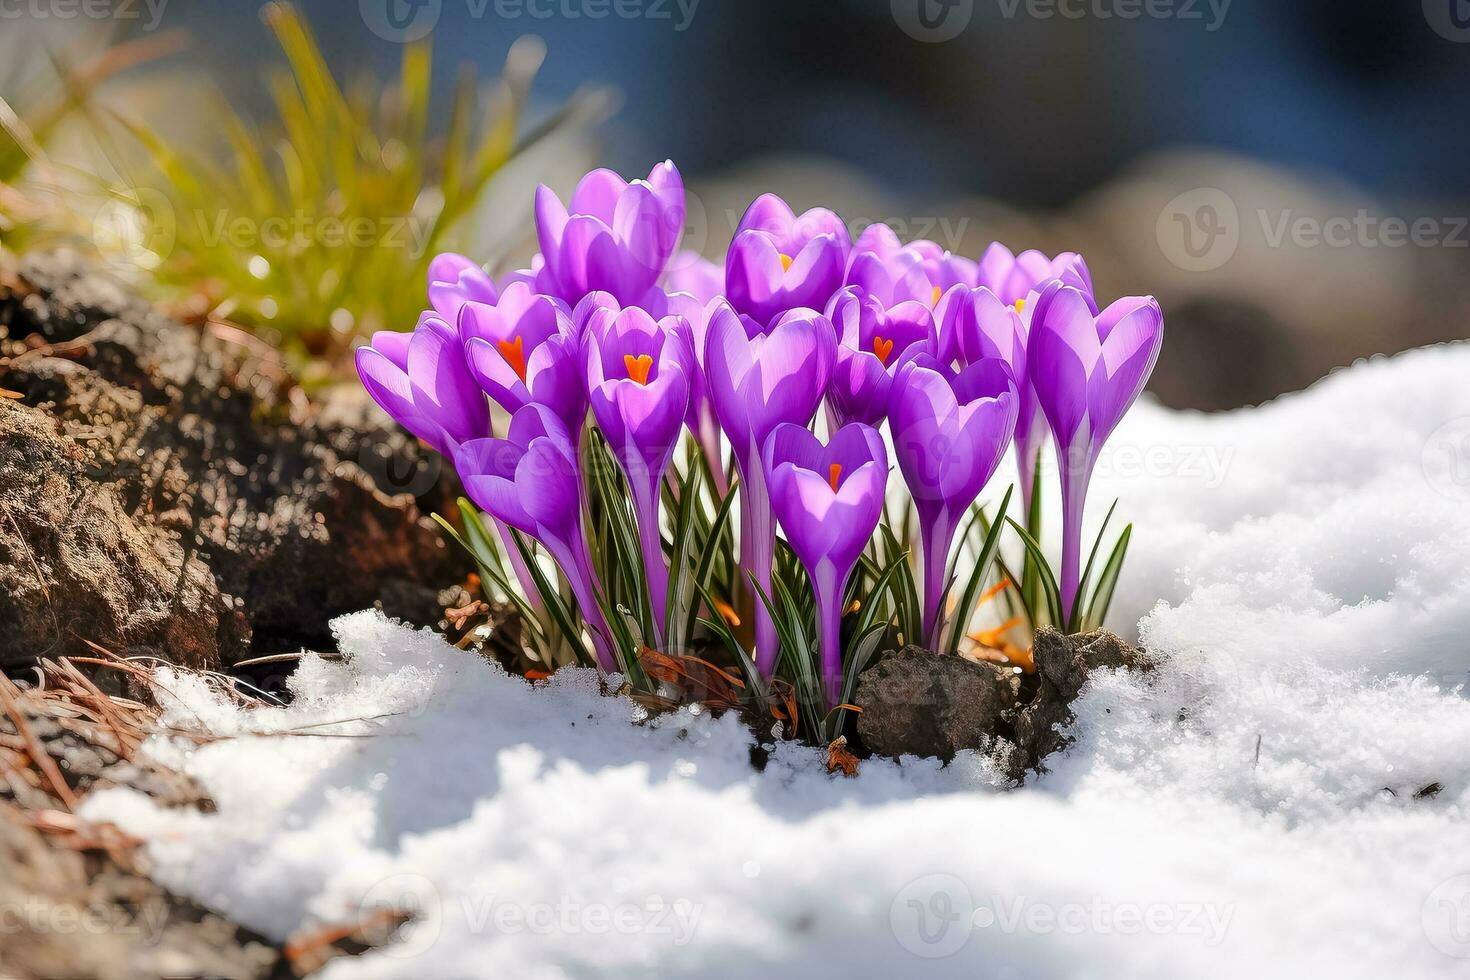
(613, 235)
(1087, 370)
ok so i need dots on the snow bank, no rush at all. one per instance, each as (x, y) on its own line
(1264, 805)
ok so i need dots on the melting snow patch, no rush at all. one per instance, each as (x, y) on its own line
(1287, 793)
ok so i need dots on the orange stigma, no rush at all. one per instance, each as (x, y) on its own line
(786, 261)
(937, 293)
(638, 367)
(514, 352)
(883, 348)
(834, 476)
(1020, 305)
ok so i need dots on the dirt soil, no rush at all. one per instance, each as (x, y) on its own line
(166, 491)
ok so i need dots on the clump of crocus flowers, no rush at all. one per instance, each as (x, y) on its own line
(801, 372)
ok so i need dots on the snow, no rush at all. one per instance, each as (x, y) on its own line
(1254, 808)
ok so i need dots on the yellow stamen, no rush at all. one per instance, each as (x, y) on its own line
(835, 476)
(786, 261)
(514, 353)
(937, 293)
(1020, 305)
(883, 348)
(638, 367)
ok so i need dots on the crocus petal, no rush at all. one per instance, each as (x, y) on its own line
(759, 285)
(653, 413)
(1129, 353)
(551, 222)
(588, 306)
(393, 344)
(823, 523)
(547, 479)
(949, 436)
(597, 194)
(455, 280)
(444, 390)
(995, 266)
(554, 379)
(1060, 351)
(638, 226)
(487, 469)
(691, 273)
(495, 375)
(387, 384)
(794, 365)
(728, 361)
(977, 324)
(573, 265)
(859, 388)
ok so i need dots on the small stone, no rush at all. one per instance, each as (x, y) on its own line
(1063, 664)
(916, 702)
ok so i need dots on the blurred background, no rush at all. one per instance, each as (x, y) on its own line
(1288, 178)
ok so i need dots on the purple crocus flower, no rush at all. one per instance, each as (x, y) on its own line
(1013, 277)
(531, 481)
(454, 281)
(975, 324)
(875, 341)
(780, 261)
(613, 235)
(422, 381)
(920, 271)
(758, 380)
(522, 350)
(692, 273)
(828, 500)
(1087, 369)
(949, 435)
(1016, 281)
(639, 385)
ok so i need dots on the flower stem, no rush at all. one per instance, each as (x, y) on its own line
(1076, 475)
(936, 533)
(829, 620)
(709, 444)
(576, 562)
(757, 554)
(650, 542)
(517, 563)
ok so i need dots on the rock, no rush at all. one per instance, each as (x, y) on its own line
(75, 912)
(166, 490)
(916, 702)
(920, 703)
(1063, 666)
(77, 899)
